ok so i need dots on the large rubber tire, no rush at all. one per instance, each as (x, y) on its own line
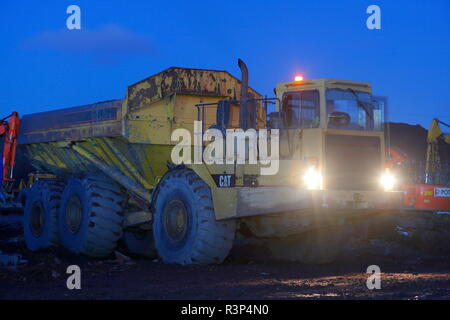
(40, 217)
(91, 216)
(200, 239)
(140, 242)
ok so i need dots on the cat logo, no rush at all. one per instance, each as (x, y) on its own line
(224, 180)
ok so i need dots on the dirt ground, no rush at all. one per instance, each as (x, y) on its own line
(248, 273)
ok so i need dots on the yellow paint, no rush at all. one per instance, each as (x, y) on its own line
(157, 105)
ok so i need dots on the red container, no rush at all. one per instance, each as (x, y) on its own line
(427, 197)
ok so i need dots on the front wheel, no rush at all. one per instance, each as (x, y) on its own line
(185, 228)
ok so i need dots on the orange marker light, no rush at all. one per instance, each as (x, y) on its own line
(298, 78)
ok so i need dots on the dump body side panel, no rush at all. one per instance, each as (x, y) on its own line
(102, 119)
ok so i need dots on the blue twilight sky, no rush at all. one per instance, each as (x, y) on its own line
(44, 66)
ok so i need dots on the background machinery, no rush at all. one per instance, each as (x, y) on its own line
(433, 194)
(9, 131)
(111, 175)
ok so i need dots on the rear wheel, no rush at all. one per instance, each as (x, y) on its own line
(40, 219)
(90, 220)
(185, 228)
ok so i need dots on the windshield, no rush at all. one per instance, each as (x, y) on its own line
(353, 110)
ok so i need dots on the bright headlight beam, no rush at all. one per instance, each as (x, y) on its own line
(312, 179)
(387, 180)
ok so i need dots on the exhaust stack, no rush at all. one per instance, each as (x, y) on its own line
(247, 112)
(244, 78)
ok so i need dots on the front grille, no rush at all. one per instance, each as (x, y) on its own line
(352, 162)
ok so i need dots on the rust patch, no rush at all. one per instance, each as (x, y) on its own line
(183, 81)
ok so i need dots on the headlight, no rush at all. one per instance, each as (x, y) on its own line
(387, 180)
(312, 179)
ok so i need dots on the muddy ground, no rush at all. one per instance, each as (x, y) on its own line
(409, 271)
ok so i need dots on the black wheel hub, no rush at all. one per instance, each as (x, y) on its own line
(175, 220)
(73, 214)
(37, 219)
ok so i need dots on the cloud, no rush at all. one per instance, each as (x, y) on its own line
(107, 43)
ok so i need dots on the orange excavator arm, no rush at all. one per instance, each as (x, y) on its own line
(395, 156)
(9, 131)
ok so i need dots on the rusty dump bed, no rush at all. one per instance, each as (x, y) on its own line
(93, 120)
(128, 140)
(183, 81)
(164, 94)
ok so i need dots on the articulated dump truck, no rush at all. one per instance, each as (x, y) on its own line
(107, 174)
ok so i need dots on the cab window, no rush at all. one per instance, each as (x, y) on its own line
(301, 109)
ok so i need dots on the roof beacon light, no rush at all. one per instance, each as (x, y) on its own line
(298, 78)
